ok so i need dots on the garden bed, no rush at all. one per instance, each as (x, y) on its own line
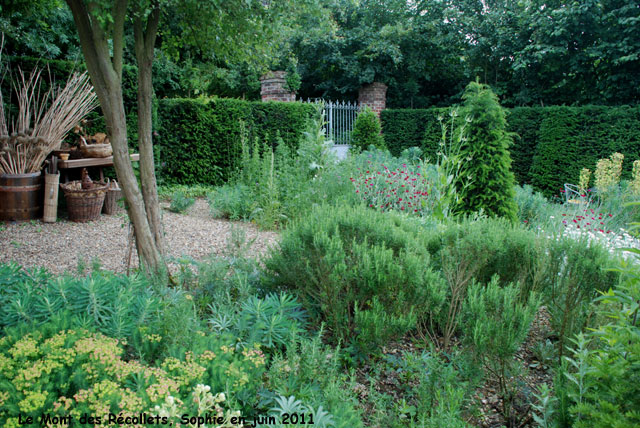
(59, 246)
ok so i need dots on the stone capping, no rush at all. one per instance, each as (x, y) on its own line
(374, 96)
(273, 85)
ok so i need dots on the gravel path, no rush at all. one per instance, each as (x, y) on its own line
(58, 246)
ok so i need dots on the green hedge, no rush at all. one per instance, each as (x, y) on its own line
(572, 138)
(551, 144)
(199, 139)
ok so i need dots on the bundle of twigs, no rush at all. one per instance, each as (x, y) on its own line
(42, 121)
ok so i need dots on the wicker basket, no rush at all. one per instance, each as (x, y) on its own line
(110, 200)
(95, 150)
(84, 204)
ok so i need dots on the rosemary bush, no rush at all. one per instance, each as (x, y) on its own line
(340, 258)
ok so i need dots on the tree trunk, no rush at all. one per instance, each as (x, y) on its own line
(144, 47)
(107, 81)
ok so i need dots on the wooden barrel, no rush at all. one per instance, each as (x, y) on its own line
(51, 184)
(20, 196)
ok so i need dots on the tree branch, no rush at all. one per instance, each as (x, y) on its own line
(119, 15)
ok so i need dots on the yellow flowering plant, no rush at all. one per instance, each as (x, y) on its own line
(72, 373)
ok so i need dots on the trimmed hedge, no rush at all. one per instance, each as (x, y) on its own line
(199, 140)
(551, 144)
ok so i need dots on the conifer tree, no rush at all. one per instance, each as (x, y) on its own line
(367, 131)
(485, 181)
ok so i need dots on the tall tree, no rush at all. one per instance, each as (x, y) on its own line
(216, 26)
(485, 180)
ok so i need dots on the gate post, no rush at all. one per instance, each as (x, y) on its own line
(373, 96)
(273, 87)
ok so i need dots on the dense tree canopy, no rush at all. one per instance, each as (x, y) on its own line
(532, 52)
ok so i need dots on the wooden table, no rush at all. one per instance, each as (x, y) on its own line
(88, 162)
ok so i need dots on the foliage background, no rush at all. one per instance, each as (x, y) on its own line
(551, 144)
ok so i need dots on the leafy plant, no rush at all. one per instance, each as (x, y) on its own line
(116, 305)
(231, 201)
(375, 327)
(603, 370)
(73, 362)
(574, 274)
(485, 181)
(342, 257)
(367, 131)
(269, 322)
(495, 325)
(313, 373)
(180, 202)
(545, 408)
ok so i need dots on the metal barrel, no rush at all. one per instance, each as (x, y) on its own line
(20, 196)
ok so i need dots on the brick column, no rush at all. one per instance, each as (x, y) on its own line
(273, 87)
(374, 96)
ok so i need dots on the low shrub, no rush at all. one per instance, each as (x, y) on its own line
(270, 321)
(61, 370)
(312, 372)
(123, 307)
(495, 324)
(576, 271)
(533, 207)
(180, 202)
(367, 131)
(231, 201)
(567, 273)
(604, 365)
(340, 260)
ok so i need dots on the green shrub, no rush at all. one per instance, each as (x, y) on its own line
(367, 131)
(312, 372)
(532, 207)
(480, 249)
(234, 202)
(551, 144)
(495, 324)
(438, 386)
(180, 202)
(485, 181)
(575, 272)
(604, 375)
(375, 327)
(338, 258)
(116, 305)
(404, 128)
(199, 140)
(566, 273)
(274, 186)
(269, 322)
(61, 370)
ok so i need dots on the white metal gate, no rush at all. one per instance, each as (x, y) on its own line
(339, 117)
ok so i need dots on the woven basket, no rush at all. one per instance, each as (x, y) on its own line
(110, 200)
(84, 204)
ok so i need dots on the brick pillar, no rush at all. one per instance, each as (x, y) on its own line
(273, 87)
(374, 96)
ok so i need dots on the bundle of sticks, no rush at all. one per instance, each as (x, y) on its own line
(42, 121)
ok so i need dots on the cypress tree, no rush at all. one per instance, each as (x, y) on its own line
(485, 181)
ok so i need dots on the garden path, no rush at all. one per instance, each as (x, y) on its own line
(59, 246)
